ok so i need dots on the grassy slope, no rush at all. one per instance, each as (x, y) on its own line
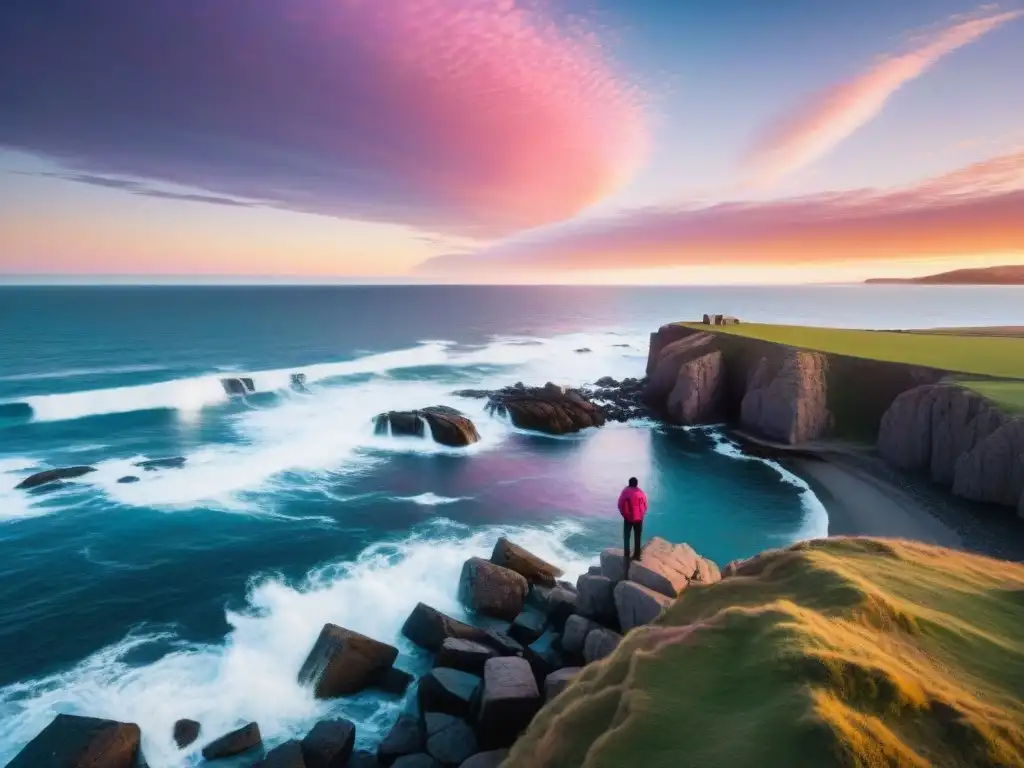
(852, 652)
(999, 356)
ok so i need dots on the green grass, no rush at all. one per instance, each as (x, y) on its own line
(985, 355)
(1008, 394)
(837, 652)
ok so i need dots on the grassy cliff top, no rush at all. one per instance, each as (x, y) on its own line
(852, 652)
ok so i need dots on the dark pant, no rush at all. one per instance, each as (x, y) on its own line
(636, 528)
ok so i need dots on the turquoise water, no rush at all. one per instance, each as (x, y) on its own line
(197, 591)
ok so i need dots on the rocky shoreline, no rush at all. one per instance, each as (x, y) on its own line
(484, 689)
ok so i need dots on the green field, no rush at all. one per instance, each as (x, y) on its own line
(836, 652)
(996, 356)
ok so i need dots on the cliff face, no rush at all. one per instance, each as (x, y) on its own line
(786, 398)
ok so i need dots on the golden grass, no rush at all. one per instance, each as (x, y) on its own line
(839, 652)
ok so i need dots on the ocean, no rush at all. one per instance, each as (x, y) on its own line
(197, 591)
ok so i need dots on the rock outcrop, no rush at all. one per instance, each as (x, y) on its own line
(447, 426)
(239, 386)
(450, 740)
(53, 476)
(233, 743)
(406, 737)
(344, 662)
(600, 643)
(787, 397)
(170, 462)
(688, 379)
(509, 700)
(526, 564)
(558, 681)
(185, 732)
(448, 690)
(287, 755)
(552, 409)
(638, 605)
(464, 655)
(993, 471)
(428, 628)
(492, 590)
(329, 744)
(73, 741)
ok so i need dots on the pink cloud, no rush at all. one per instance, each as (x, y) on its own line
(478, 117)
(975, 210)
(826, 119)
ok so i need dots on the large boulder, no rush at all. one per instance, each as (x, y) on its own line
(596, 599)
(528, 626)
(993, 471)
(450, 740)
(53, 476)
(528, 565)
(344, 662)
(70, 741)
(329, 744)
(551, 409)
(447, 426)
(464, 655)
(786, 398)
(428, 628)
(503, 643)
(406, 737)
(545, 655)
(448, 690)
(233, 743)
(558, 681)
(637, 605)
(508, 703)
(287, 755)
(392, 680)
(492, 590)
(562, 603)
(664, 567)
(614, 565)
(576, 630)
(185, 732)
(600, 642)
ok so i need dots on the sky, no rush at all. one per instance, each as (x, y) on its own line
(519, 141)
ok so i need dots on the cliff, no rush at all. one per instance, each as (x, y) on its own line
(828, 653)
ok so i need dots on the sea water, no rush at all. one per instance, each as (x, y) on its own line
(197, 591)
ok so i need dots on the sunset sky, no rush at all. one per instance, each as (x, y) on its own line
(582, 141)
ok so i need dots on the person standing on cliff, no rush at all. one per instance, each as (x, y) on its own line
(632, 507)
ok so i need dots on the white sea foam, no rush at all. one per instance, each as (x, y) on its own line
(429, 499)
(251, 675)
(815, 522)
(17, 504)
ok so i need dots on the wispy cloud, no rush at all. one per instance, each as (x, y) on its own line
(978, 209)
(146, 190)
(467, 117)
(826, 119)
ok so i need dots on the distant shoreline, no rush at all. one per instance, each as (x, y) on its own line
(1010, 274)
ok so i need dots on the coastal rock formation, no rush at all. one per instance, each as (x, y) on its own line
(428, 628)
(287, 755)
(528, 626)
(660, 339)
(596, 600)
(151, 465)
(786, 398)
(233, 743)
(422, 760)
(53, 476)
(447, 426)
(637, 605)
(406, 737)
(492, 590)
(450, 740)
(529, 566)
(551, 409)
(688, 379)
(329, 744)
(185, 732)
(238, 386)
(464, 655)
(509, 701)
(620, 400)
(993, 471)
(664, 567)
(544, 654)
(558, 681)
(344, 662)
(73, 741)
(600, 643)
(391, 680)
(448, 690)
(576, 630)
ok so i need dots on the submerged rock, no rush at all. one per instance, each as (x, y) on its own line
(52, 476)
(127, 479)
(551, 409)
(233, 743)
(447, 426)
(185, 732)
(73, 741)
(344, 662)
(151, 465)
(238, 386)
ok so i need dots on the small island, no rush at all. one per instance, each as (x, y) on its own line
(1010, 274)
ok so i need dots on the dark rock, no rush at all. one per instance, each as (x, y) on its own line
(421, 760)
(614, 564)
(594, 570)
(450, 740)
(525, 563)
(464, 655)
(544, 655)
(492, 759)
(596, 600)
(576, 630)
(905, 432)
(538, 597)
(448, 690)
(600, 642)
(528, 626)
(993, 471)
(238, 386)
(567, 585)
(561, 605)
(234, 743)
(406, 737)
(363, 759)
(508, 703)
(287, 755)
(128, 479)
(492, 590)
(503, 643)
(606, 381)
(329, 744)
(392, 680)
(583, 350)
(447, 426)
(637, 605)
(558, 681)
(81, 742)
(298, 381)
(151, 465)
(52, 476)
(344, 662)
(185, 732)
(428, 628)
(551, 409)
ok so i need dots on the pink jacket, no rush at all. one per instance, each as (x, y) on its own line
(632, 504)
